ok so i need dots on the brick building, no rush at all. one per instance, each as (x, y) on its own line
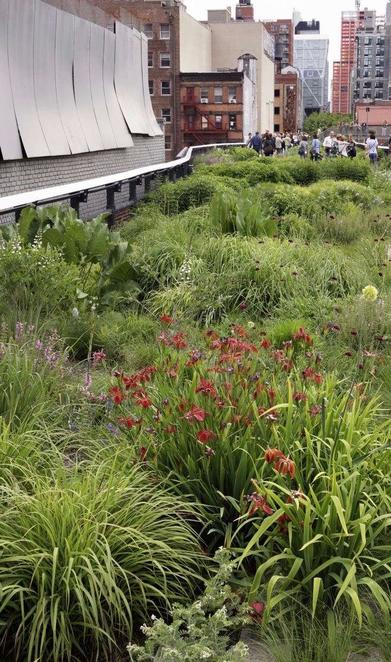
(342, 70)
(282, 31)
(220, 106)
(287, 83)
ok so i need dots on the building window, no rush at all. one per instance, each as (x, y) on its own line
(204, 123)
(189, 122)
(232, 96)
(218, 95)
(276, 110)
(148, 29)
(166, 115)
(167, 142)
(166, 88)
(276, 128)
(165, 60)
(233, 125)
(379, 94)
(276, 93)
(150, 60)
(204, 95)
(151, 87)
(164, 31)
(218, 121)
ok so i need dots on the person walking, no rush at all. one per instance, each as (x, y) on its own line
(351, 148)
(268, 144)
(371, 148)
(315, 148)
(279, 145)
(303, 147)
(256, 143)
(342, 146)
(249, 139)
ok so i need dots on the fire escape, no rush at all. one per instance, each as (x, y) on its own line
(197, 111)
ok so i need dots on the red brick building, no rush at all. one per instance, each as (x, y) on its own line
(244, 11)
(212, 107)
(342, 70)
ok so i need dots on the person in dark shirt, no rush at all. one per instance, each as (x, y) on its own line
(256, 142)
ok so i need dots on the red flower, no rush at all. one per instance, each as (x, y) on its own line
(144, 402)
(143, 453)
(207, 388)
(271, 394)
(315, 410)
(285, 466)
(171, 429)
(257, 609)
(196, 414)
(130, 422)
(273, 454)
(179, 341)
(318, 379)
(243, 306)
(299, 396)
(205, 436)
(166, 319)
(302, 335)
(259, 502)
(117, 395)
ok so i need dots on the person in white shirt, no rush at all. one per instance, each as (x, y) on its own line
(328, 144)
(371, 147)
(342, 146)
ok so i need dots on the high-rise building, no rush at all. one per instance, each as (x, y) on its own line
(282, 31)
(311, 51)
(342, 70)
(372, 67)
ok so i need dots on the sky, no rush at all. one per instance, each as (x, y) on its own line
(328, 12)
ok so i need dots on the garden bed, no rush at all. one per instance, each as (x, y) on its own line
(195, 429)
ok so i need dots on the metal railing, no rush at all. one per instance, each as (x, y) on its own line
(78, 192)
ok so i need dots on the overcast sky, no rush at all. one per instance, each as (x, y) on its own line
(328, 12)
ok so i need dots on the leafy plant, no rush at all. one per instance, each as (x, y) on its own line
(204, 630)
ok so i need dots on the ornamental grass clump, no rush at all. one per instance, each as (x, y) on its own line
(85, 556)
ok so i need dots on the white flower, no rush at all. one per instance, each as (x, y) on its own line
(75, 312)
(370, 293)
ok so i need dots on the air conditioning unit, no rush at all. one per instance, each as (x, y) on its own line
(204, 100)
(232, 100)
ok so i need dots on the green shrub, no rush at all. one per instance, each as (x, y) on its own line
(251, 171)
(192, 191)
(358, 170)
(85, 558)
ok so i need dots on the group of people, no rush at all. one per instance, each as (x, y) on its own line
(269, 144)
(333, 145)
(278, 144)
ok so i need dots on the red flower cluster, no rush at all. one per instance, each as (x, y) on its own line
(310, 375)
(302, 336)
(207, 388)
(205, 436)
(282, 464)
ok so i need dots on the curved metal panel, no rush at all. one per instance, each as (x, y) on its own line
(45, 79)
(64, 83)
(9, 136)
(21, 63)
(155, 129)
(127, 74)
(121, 131)
(97, 88)
(82, 83)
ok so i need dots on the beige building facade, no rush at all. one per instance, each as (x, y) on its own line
(230, 40)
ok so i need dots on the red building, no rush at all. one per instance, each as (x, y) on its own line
(342, 70)
(245, 11)
(212, 107)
